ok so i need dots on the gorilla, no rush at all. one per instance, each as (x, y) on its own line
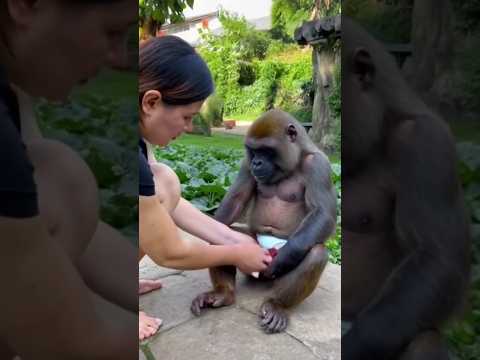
(405, 234)
(285, 184)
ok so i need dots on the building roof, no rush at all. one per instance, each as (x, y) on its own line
(193, 19)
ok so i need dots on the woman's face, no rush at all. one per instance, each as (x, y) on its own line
(57, 45)
(161, 123)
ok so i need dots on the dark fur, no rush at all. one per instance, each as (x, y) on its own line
(283, 155)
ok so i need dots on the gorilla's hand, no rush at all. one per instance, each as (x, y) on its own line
(351, 345)
(361, 343)
(287, 259)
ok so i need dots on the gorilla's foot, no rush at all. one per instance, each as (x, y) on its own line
(212, 299)
(429, 345)
(273, 318)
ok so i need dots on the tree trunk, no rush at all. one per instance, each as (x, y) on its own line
(323, 124)
(432, 41)
(430, 70)
(149, 28)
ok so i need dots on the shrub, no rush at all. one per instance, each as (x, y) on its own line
(201, 126)
(212, 110)
(254, 73)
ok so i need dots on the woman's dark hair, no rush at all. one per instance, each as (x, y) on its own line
(4, 11)
(170, 65)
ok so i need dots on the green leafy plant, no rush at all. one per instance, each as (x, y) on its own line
(206, 174)
(464, 335)
(254, 73)
(104, 132)
(335, 104)
(161, 10)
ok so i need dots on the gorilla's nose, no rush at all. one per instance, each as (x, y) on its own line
(257, 163)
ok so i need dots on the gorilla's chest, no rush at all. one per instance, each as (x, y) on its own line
(367, 203)
(290, 190)
(279, 209)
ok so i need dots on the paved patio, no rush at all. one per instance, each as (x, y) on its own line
(232, 333)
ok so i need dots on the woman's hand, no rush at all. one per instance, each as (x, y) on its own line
(251, 258)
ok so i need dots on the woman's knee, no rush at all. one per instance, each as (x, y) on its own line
(67, 193)
(167, 185)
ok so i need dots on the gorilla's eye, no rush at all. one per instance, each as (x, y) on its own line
(269, 152)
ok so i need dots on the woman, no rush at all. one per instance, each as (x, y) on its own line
(173, 83)
(57, 266)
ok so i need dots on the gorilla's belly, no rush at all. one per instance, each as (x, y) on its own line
(367, 261)
(276, 217)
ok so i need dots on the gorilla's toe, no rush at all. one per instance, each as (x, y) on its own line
(273, 319)
(211, 299)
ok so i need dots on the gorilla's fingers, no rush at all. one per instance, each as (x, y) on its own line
(273, 324)
(195, 308)
(282, 324)
(200, 302)
(266, 320)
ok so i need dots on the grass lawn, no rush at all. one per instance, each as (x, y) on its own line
(116, 84)
(243, 117)
(224, 141)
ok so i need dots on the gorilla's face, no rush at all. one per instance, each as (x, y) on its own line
(262, 165)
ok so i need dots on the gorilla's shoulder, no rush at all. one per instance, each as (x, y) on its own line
(315, 159)
(426, 131)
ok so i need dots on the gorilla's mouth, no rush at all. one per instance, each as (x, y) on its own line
(261, 177)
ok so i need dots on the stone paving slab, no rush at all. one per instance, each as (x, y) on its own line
(232, 332)
(226, 334)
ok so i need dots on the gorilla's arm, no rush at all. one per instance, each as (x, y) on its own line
(318, 225)
(430, 223)
(237, 198)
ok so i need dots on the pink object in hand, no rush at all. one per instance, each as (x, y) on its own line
(273, 252)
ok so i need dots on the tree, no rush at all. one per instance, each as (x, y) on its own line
(324, 8)
(154, 13)
(326, 61)
(287, 15)
(432, 40)
(431, 68)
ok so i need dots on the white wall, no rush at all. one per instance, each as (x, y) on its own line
(192, 36)
(251, 9)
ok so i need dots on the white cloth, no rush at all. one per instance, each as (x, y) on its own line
(268, 241)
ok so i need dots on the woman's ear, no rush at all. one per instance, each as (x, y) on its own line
(151, 99)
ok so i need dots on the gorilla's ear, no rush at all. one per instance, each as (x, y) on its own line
(363, 66)
(291, 132)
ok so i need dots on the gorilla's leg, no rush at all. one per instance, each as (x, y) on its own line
(291, 289)
(428, 345)
(223, 280)
(223, 293)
